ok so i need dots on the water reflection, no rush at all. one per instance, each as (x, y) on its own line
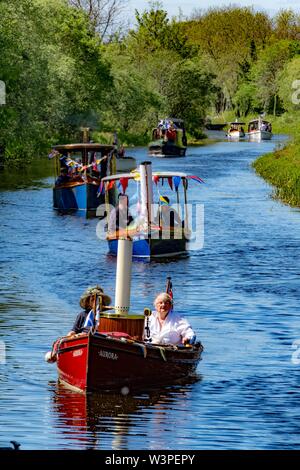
(92, 420)
(30, 176)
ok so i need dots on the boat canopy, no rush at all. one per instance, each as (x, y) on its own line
(259, 120)
(236, 123)
(161, 174)
(87, 146)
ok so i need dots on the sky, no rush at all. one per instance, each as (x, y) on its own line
(187, 6)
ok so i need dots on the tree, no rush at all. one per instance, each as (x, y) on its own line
(155, 33)
(266, 72)
(287, 25)
(229, 38)
(54, 74)
(289, 85)
(104, 15)
(189, 93)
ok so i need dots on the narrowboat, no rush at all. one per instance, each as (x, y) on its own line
(236, 131)
(168, 139)
(259, 129)
(154, 212)
(78, 171)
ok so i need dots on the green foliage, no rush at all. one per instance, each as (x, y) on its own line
(266, 73)
(189, 93)
(54, 75)
(289, 85)
(229, 38)
(59, 76)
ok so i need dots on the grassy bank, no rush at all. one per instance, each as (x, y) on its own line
(281, 168)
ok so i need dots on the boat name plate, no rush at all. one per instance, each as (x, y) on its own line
(108, 355)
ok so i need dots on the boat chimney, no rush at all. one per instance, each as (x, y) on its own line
(146, 191)
(85, 134)
(123, 276)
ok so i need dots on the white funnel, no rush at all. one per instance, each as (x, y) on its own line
(123, 276)
(146, 191)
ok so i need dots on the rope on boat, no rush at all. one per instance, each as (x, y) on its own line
(162, 353)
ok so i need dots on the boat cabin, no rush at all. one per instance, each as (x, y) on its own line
(259, 125)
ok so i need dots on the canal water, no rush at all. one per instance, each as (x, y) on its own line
(241, 292)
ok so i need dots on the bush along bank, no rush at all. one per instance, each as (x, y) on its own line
(282, 169)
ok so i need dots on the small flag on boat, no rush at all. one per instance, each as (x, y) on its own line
(90, 320)
(169, 289)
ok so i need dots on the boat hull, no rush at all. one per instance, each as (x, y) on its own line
(166, 149)
(100, 362)
(79, 197)
(236, 135)
(148, 248)
(259, 135)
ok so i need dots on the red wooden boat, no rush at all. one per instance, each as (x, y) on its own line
(97, 361)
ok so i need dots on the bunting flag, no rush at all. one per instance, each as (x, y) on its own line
(170, 181)
(195, 178)
(124, 184)
(176, 181)
(110, 185)
(155, 179)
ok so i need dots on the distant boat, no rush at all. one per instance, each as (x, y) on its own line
(78, 170)
(259, 129)
(169, 139)
(236, 131)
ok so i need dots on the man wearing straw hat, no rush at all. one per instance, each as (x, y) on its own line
(87, 302)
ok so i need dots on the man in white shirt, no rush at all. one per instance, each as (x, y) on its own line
(167, 327)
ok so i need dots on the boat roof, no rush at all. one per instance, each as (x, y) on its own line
(162, 174)
(84, 146)
(257, 120)
(237, 123)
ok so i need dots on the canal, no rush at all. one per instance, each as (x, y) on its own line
(241, 292)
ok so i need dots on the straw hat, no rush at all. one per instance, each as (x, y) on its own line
(96, 290)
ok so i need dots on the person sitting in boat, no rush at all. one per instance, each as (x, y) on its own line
(167, 216)
(171, 133)
(63, 177)
(87, 303)
(166, 326)
(120, 216)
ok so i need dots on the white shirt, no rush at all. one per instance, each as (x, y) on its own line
(173, 330)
